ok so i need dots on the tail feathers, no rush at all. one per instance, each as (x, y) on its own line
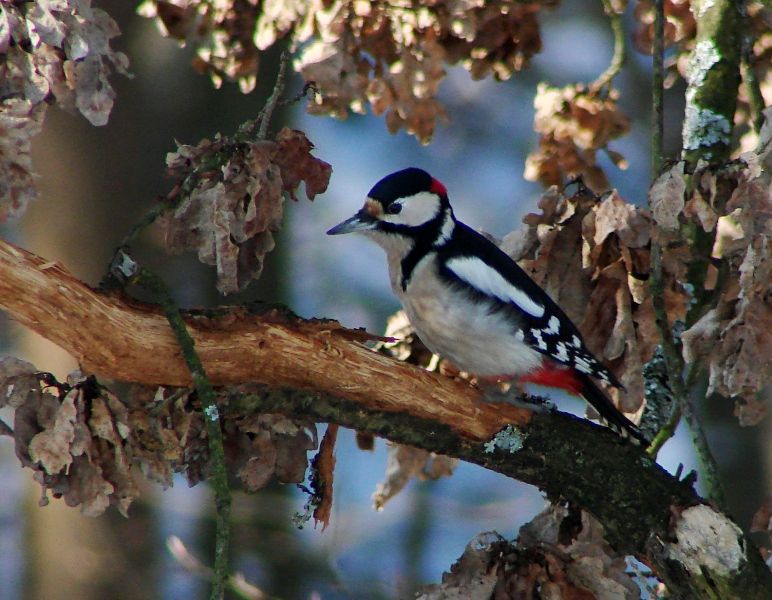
(608, 412)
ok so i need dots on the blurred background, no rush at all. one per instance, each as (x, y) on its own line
(96, 182)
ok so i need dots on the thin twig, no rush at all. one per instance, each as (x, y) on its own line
(309, 86)
(273, 99)
(237, 583)
(148, 219)
(618, 58)
(699, 439)
(127, 268)
(752, 85)
(657, 89)
(673, 360)
(669, 428)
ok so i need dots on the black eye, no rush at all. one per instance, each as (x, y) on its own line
(394, 208)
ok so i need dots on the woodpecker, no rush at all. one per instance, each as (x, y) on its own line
(471, 303)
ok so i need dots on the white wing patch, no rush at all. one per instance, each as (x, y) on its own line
(562, 352)
(540, 343)
(553, 326)
(476, 273)
(582, 364)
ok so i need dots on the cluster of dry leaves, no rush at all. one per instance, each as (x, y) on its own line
(386, 53)
(611, 240)
(232, 199)
(732, 339)
(88, 446)
(561, 553)
(574, 123)
(51, 51)
(608, 297)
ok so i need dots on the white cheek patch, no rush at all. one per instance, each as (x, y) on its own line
(476, 273)
(416, 210)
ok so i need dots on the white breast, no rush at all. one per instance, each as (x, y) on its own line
(469, 333)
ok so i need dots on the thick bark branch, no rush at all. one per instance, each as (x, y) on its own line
(322, 370)
(122, 339)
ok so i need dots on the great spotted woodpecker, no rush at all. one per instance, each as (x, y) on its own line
(470, 302)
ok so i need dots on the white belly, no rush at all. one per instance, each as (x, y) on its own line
(465, 332)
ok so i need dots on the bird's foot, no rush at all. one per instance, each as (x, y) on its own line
(508, 390)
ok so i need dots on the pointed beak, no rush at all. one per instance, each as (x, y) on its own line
(362, 221)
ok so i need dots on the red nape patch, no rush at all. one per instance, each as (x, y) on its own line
(438, 188)
(551, 375)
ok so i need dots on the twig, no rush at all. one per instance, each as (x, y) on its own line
(699, 439)
(148, 219)
(309, 86)
(126, 268)
(755, 97)
(273, 100)
(618, 58)
(236, 582)
(669, 428)
(673, 360)
(657, 88)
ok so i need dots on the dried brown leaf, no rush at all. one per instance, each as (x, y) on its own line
(666, 197)
(730, 338)
(74, 437)
(18, 378)
(750, 411)
(403, 464)
(293, 157)
(629, 223)
(325, 474)
(473, 575)
(52, 52)
(51, 447)
(698, 208)
(20, 121)
(221, 32)
(266, 446)
(259, 468)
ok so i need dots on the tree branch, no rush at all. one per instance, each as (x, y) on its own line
(114, 336)
(319, 369)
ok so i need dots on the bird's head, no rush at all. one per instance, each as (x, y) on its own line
(409, 203)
